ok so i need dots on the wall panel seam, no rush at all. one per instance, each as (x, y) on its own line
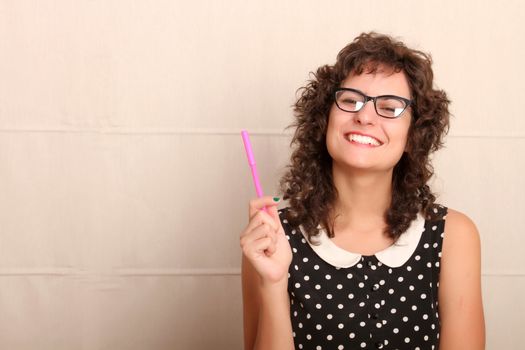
(137, 272)
(219, 131)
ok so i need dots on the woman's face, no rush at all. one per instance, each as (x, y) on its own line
(364, 140)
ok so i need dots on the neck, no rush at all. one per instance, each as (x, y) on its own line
(363, 198)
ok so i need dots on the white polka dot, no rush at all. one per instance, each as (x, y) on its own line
(318, 327)
(296, 267)
(340, 347)
(433, 326)
(329, 337)
(300, 325)
(303, 241)
(318, 347)
(420, 277)
(411, 287)
(307, 296)
(339, 286)
(300, 346)
(416, 328)
(308, 336)
(340, 326)
(363, 345)
(305, 259)
(362, 324)
(294, 250)
(318, 306)
(329, 316)
(352, 335)
(382, 302)
(417, 257)
(425, 337)
(425, 317)
(340, 306)
(407, 340)
(328, 296)
(409, 268)
(437, 264)
(396, 330)
(426, 245)
(350, 296)
(351, 315)
(361, 304)
(361, 284)
(405, 319)
(434, 228)
(382, 282)
(298, 285)
(316, 267)
(423, 296)
(317, 287)
(435, 245)
(359, 266)
(327, 277)
(400, 279)
(349, 276)
(393, 311)
(306, 277)
(390, 291)
(403, 299)
(414, 307)
(429, 264)
(308, 316)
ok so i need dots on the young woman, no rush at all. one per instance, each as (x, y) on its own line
(363, 257)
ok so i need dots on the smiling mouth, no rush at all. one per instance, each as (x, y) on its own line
(363, 140)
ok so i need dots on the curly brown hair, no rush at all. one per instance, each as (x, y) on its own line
(307, 183)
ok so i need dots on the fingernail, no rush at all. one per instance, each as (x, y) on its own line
(276, 199)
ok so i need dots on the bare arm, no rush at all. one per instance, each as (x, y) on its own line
(460, 302)
(266, 257)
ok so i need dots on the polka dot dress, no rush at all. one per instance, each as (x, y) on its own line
(383, 301)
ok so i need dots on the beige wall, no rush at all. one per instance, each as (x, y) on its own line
(123, 179)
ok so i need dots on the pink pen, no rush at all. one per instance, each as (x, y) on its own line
(251, 162)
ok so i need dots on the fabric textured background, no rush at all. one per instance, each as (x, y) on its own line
(124, 182)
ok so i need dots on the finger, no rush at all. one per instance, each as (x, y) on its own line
(258, 204)
(257, 233)
(262, 218)
(257, 248)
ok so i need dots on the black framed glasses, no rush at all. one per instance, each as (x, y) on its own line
(387, 106)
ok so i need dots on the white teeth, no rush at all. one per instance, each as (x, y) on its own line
(365, 140)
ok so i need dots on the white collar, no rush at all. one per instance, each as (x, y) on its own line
(393, 256)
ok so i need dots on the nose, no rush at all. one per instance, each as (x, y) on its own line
(367, 114)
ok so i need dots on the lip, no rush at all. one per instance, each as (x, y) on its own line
(347, 134)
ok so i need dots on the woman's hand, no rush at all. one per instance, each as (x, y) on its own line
(264, 243)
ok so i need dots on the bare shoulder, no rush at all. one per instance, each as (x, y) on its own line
(460, 231)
